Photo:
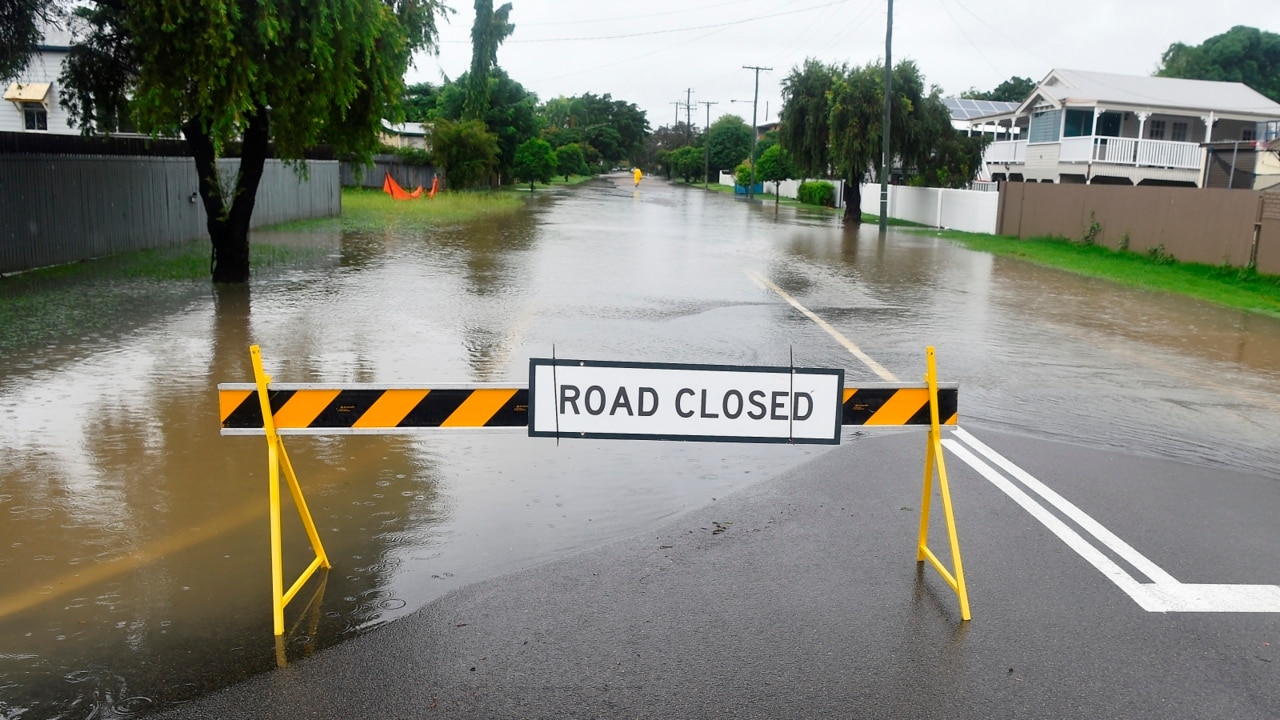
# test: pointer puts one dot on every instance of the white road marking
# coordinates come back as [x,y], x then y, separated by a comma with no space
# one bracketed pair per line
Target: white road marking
[848,344]
[1163,594]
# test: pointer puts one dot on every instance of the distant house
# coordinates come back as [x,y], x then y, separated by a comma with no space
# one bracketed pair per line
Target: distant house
[406,135]
[31,100]
[1089,127]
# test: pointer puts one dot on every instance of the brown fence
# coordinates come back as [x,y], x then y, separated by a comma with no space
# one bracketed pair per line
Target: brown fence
[1204,225]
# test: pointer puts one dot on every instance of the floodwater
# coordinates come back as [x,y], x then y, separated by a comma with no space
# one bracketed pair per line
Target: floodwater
[133,537]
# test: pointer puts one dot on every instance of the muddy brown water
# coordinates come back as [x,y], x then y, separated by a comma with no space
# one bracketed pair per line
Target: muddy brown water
[133,537]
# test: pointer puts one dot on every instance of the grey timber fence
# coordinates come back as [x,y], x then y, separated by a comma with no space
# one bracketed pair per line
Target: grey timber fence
[57,209]
[409,176]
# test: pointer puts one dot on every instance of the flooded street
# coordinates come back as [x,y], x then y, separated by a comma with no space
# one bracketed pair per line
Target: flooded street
[133,537]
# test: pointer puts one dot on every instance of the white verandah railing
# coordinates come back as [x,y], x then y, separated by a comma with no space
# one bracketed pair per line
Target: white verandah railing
[1112,150]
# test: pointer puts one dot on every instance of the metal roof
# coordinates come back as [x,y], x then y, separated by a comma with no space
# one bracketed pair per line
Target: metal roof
[964,108]
[1080,87]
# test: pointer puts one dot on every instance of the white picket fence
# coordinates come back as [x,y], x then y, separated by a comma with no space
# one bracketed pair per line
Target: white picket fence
[967,210]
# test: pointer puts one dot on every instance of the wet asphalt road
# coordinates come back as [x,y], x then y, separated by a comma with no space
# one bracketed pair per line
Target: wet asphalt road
[1117,560]
[808,604]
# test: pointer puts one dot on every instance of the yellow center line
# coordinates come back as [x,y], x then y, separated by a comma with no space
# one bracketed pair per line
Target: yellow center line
[848,344]
[164,547]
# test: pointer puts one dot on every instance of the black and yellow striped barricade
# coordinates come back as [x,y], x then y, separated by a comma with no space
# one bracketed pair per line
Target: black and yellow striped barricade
[597,399]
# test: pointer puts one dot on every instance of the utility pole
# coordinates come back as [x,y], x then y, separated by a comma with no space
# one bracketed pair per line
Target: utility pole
[676,123]
[706,147]
[754,98]
[886,164]
[688,120]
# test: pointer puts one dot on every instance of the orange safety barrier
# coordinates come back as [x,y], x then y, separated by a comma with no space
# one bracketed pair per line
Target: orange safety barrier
[392,188]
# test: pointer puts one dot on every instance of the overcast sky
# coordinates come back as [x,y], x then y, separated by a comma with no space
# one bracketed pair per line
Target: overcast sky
[650,52]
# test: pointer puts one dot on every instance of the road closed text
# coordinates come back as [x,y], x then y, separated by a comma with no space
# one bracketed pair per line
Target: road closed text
[666,401]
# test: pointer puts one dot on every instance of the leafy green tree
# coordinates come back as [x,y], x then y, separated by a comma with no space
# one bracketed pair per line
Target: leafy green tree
[488,31]
[853,99]
[806,116]
[1242,54]
[742,174]
[775,165]
[729,143]
[276,77]
[1015,89]
[512,115]
[686,163]
[535,161]
[466,150]
[20,31]
[570,160]
[617,129]
[419,102]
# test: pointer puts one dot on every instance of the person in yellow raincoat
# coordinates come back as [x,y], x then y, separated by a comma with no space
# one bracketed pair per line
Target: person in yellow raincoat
[637,175]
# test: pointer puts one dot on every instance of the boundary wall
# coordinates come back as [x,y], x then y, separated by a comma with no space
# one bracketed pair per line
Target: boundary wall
[1203,225]
[967,210]
[66,208]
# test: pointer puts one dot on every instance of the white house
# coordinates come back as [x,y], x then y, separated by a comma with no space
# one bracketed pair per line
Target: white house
[406,135]
[31,100]
[1090,127]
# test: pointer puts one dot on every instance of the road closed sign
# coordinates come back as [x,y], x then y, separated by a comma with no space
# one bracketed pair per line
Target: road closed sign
[665,401]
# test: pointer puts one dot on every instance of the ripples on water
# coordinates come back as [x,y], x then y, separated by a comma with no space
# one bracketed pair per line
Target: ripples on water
[133,536]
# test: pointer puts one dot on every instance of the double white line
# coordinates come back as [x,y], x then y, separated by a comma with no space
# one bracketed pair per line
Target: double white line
[1160,592]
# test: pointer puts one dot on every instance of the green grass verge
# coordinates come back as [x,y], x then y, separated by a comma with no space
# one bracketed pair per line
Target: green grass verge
[1228,286]
[370,209]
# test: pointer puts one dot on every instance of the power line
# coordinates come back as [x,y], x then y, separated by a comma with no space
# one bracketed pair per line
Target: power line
[754,132]
[706,146]
[731,23]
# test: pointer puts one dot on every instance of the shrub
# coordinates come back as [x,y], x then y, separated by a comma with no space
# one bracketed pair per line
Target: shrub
[742,174]
[817,192]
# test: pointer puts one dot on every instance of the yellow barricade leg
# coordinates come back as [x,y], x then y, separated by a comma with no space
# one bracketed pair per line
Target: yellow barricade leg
[277,457]
[933,457]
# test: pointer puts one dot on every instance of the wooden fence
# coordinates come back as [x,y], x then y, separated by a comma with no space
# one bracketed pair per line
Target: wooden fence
[1203,225]
[65,208]
[409,176]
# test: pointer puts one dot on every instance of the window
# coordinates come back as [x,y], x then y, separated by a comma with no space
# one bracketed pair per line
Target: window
[1179,132]
[34,116]
[1157,130]
[1079,123]
[1045,127]
[1247,134]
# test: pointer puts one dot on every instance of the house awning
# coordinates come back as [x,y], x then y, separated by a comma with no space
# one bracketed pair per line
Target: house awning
[27,92]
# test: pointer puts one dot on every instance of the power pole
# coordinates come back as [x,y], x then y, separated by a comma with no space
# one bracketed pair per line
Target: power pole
[706,147]
[754,98]
[886,165]
[676,123]
[688,110]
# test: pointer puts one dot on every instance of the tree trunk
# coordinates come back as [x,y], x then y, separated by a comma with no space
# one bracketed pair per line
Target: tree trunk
[229,227]
[852,201]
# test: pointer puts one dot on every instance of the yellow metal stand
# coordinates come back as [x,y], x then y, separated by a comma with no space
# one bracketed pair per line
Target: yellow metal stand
[932,457]
[277,458]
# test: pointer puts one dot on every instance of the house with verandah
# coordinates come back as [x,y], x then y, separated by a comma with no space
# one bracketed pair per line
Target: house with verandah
[1091,127]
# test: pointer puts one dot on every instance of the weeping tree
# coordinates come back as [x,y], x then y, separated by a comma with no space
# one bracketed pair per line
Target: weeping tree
[832,123]
[276,78]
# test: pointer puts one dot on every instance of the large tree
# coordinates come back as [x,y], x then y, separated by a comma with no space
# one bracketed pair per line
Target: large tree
[276,77]
[511,115]
[832,121]
[1242,54]
[488,31]
[728,143]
